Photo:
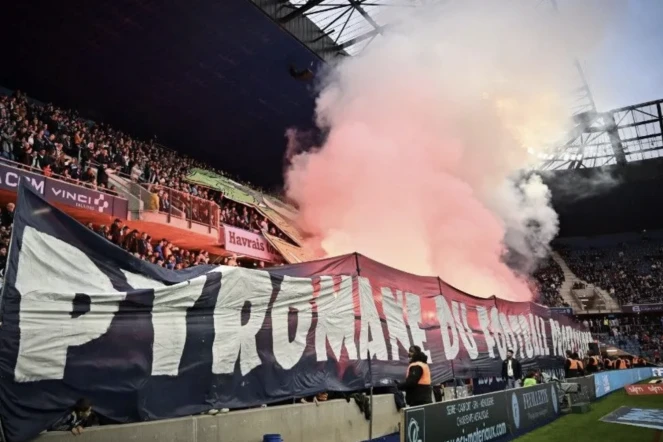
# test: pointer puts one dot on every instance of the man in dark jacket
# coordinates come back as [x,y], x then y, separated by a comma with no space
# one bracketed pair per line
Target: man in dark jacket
[511,371]
[417,385]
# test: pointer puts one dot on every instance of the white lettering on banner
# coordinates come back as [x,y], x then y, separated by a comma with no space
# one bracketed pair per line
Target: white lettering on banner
[541,323]
[568,338]
[536,348]
[500,335]
[451,342]
[12,179]
[295,294]
[484,323]
[529,347]
[370,324]
[336,319]
[73,196]
[511,341]
[518,335]
[414,318]
[466,334]
[538,344]
[240,313]
[40,356]
[232,340]
[392,304]
[169,310]
[555,336]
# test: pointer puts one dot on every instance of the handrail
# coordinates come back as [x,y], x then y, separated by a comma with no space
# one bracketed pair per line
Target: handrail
[163,186]
[58,177]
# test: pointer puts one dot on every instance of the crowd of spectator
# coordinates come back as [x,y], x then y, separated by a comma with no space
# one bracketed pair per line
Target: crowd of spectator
[61,144]
[6,224]
[47,137]
[639,334]
[629,269]
[548,279]
[162,252]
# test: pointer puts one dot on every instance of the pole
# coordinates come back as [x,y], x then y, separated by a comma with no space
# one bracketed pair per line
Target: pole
[453,373]
[370,401]
[9,257]
[357,264]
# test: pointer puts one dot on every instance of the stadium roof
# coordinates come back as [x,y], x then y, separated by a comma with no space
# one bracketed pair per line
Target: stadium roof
[351,24]
[333,28]
[619,136]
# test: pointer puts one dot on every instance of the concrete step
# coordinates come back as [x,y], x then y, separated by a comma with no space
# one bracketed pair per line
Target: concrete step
[569,279]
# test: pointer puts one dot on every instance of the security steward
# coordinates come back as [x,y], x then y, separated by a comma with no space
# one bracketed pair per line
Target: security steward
[607,363]
[581,365]
[621,364]
[417,384]
[570,366]
[593,364]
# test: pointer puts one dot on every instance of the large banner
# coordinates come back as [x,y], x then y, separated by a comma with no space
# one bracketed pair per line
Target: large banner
[84,318]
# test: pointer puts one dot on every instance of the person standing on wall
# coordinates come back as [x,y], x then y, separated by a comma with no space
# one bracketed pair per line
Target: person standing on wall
[512,372]
[417,384]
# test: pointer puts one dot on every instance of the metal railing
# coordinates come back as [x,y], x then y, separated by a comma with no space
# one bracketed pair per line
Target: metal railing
[182,205]
[173,203]
[55,176]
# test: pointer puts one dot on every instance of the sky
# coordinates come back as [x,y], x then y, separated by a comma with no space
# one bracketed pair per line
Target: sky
[627,68]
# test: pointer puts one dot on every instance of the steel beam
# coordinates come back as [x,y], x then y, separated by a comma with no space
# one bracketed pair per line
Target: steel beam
[355,4]
[362,37]
[300,11]
[660,118]
[613,133]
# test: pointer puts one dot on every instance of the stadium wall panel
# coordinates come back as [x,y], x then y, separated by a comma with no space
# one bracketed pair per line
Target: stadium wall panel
[333,421]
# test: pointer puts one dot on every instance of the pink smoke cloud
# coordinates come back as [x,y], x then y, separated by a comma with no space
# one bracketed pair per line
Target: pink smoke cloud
[426,131]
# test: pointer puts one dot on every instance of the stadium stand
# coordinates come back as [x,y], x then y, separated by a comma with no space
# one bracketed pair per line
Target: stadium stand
[61,145]
[548,279]
[640,335]
[627,266]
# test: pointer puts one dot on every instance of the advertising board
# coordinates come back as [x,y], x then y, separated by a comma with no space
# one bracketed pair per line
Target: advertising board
[482,417]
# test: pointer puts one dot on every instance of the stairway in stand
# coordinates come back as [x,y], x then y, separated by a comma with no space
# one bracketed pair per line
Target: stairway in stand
[569,279]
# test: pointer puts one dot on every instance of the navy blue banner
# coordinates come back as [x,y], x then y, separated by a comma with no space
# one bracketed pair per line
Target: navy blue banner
[84,318]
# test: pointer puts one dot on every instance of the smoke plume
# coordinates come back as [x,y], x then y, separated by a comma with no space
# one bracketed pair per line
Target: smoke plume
[427,135]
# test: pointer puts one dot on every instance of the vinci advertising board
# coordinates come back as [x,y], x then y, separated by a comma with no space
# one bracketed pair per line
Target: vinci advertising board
[56,191]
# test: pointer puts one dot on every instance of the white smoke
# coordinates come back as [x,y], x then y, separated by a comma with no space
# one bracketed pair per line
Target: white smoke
[428,135]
